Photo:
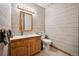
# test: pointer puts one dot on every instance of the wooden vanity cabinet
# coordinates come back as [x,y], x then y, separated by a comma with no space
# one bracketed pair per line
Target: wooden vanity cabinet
[25,46]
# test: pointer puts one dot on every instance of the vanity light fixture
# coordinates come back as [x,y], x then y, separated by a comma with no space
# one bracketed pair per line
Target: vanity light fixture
[25,10]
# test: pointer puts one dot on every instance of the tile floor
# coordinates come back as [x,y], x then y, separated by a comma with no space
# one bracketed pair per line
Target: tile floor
[51,52]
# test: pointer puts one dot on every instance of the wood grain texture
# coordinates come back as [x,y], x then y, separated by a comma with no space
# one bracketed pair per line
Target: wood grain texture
[25,47]
[21,21]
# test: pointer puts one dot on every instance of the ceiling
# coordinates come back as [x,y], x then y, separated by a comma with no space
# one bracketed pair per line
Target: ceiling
[44,5]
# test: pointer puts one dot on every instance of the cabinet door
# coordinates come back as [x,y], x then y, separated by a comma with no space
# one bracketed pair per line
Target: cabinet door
[26,45]
[32,46]
[20,51]
[13,51]
[35,45]
[13,48]
[19,48]
[38,45]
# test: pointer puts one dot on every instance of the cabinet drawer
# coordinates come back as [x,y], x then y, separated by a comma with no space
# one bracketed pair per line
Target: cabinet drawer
[20,43]
[17,44]
[13,44]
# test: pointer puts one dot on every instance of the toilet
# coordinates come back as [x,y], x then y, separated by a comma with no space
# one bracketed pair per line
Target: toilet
[46,41]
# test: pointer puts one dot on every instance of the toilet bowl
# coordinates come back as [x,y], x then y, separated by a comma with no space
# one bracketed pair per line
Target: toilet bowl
[46,43]
[45,40]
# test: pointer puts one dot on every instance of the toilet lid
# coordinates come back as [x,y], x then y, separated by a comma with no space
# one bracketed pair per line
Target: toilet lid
[46,40]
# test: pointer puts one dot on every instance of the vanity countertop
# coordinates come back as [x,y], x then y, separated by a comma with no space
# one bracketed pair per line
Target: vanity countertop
[24,36]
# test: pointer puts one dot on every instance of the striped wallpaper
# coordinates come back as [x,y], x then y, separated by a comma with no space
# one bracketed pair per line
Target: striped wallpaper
[61,25]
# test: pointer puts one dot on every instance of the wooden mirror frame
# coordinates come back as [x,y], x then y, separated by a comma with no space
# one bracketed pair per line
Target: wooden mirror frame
[21,21]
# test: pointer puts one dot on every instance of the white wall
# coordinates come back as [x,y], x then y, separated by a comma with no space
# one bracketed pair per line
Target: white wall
[61,22]
[5,15]
[38,18]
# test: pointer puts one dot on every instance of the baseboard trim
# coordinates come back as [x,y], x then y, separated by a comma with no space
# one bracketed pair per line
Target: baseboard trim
[61,50]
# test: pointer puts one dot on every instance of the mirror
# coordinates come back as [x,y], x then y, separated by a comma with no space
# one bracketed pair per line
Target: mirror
[26,21]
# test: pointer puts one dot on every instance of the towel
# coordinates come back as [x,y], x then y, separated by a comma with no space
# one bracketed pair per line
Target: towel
[5,36]
[2,36]
[1,48]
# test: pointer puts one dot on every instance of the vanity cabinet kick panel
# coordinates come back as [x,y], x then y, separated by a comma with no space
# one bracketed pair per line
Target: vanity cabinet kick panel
[25,47]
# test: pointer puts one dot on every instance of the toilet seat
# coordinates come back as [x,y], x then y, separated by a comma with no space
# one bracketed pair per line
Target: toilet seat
[47,40]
